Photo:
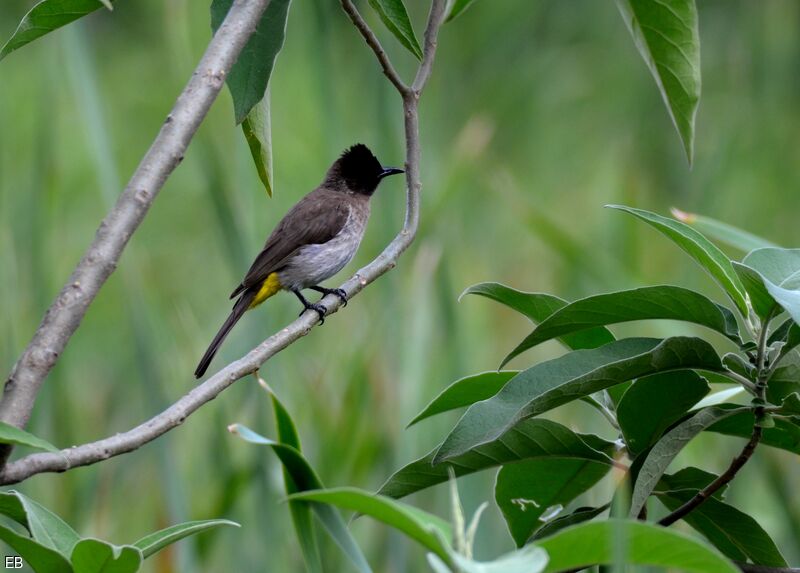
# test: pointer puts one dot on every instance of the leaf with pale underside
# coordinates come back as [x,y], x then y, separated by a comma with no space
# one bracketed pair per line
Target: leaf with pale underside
[667,37]
[394,16]
[722,232]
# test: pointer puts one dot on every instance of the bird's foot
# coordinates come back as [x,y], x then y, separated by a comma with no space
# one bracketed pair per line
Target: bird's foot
[320,309]
[334,291]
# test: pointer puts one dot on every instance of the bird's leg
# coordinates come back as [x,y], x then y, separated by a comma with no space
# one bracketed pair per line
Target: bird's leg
[320,309]
[335,291]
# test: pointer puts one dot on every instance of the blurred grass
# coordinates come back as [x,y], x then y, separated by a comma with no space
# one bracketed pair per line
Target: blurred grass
[536,116]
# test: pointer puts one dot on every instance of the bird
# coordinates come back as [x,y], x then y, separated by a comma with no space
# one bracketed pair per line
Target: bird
[313,241]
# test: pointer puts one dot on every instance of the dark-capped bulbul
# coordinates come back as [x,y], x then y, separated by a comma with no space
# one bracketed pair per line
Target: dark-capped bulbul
[313,242]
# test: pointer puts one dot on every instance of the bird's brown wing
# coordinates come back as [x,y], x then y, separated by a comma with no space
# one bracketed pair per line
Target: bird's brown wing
[316,218]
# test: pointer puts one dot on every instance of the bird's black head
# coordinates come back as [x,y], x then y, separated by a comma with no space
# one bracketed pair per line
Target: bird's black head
[358,171]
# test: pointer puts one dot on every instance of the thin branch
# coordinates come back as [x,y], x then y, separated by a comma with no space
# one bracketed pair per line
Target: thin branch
[374,43]
[99,261]
[435,20]
[177,413]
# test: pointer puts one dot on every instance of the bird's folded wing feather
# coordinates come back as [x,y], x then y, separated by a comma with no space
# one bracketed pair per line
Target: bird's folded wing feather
[315,219]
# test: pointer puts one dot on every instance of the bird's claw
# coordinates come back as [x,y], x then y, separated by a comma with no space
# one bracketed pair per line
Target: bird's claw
[341,294]
[320,309]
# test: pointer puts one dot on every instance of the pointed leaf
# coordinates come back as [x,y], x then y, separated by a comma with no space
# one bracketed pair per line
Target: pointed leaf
[623,542]
[778,272]
[662,454]
[647,303]
[456,8]
[305,478]
[394,15]
[249,77]
[96,556]
[46,16]
[580,515]
[703,251]
[45,526]
[156,541]
[577,374]
[466,391]
[12,435]
[722,232]
[525,491]
[538,307]
[653,403]
[257,129]
[785,435]
[426,529]
[667,37]
[42,559]
[528,440]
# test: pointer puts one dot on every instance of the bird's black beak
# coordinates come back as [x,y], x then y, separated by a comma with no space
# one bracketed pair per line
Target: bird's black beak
[389,171]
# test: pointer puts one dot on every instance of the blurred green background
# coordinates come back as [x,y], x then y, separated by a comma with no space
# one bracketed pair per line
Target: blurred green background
[537,114]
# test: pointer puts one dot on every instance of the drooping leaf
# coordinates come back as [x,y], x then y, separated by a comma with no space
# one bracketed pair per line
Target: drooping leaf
[579,373]
[158,540]
[784,435]
[778,271]
[538,307]
[733,532]
[457,7]
[628,542]
[249,77]
[466,391]
[666,35]
[44,526]
[96,556]
[525,491]
[722,232]
[46,16]
[580,515]
[12,435]
[305,478]
[394,16]
[41,558]
[257,128]
[647,303]
[653,403]
[703,251]
[662,454]
[529,440]
[428,530]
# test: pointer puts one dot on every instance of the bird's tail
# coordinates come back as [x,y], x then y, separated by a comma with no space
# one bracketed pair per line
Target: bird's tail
[238,311]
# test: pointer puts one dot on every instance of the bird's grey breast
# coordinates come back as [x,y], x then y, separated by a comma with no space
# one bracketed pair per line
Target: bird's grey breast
[313,264]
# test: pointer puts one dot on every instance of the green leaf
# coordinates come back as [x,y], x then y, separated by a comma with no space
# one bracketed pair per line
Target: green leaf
[667,37]
[788,333]
[305,478]
[457,7]
[647,303]
[760,299]
[12,435]
[46,16]
[44,526]
[784,435]
[703,251]
[538,307]
[662,454]
[580,515]
[529,559]
[426,529]
[42,559]
[623,542]
[778,272]
[158,540]
[653,403]
[733,532]
[249,77]
[717,398]
[526,491]
[529,440]
[394,15]
[723,232]
[466,391]
[96,556]
[579,373]
[785,380]
[257,128]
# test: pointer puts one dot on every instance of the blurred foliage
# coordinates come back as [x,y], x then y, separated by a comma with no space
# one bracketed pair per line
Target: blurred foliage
[537,114]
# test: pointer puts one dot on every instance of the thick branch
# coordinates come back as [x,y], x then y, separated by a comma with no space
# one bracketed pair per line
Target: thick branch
[173,416]
[99,261]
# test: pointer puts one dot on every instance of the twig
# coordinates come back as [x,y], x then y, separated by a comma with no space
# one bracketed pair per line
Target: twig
[99,261]
[175,415]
